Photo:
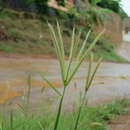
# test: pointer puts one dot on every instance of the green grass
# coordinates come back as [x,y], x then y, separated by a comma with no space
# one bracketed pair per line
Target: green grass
[92,118]
[5,48]
[30,35]
[106,50]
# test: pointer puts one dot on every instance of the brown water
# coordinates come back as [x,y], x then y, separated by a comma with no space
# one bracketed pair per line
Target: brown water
[111,81]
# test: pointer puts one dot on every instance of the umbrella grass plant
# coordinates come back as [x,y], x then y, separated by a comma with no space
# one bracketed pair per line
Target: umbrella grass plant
[69,67]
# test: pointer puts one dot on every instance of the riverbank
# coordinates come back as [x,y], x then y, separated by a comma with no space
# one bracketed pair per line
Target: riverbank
[28,34]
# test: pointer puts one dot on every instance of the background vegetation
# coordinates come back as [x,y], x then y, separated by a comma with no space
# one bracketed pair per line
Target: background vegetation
[28,33]
[96,118]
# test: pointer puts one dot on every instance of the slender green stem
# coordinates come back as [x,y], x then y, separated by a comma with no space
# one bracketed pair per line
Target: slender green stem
[28,92]
[79,111]
[59,110]
[88,83]
[11,120]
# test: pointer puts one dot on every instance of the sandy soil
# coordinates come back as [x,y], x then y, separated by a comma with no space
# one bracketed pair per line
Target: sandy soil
[120,123]
[124,50]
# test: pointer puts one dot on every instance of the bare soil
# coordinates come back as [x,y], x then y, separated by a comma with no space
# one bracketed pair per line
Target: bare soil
[20,56]
[124,50]
[120,123]
[3,36]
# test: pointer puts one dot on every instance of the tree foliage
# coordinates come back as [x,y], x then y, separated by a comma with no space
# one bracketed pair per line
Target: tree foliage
[94,2]
[42,6]
[114,5]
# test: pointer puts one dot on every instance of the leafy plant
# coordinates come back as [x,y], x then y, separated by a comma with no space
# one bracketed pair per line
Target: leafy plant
[113,5]
[90,16]
[94,2]
[5,48]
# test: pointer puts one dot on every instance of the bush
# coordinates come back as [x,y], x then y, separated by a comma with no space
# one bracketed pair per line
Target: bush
[6,48]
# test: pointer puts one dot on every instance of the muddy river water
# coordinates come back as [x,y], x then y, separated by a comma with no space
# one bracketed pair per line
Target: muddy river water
[112,81]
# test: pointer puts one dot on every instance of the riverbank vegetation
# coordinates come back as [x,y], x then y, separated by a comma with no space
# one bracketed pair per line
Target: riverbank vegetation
[96,118]
[27,33]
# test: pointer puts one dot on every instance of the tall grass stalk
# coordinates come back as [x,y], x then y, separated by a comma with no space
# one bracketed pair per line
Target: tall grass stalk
[70,67]
[24,108]
[11,120]
[89,79]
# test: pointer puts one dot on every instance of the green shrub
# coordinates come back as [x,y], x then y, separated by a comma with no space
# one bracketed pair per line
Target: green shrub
[113,5]
[6,48]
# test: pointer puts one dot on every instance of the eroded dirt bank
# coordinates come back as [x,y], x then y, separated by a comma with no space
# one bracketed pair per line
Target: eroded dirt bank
[124,50]
[120,123]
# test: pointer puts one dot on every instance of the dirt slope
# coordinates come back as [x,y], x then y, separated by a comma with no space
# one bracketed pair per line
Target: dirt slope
[124,50]
[121,123]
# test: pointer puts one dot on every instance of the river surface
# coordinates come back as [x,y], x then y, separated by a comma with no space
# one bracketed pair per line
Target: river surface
[112,81]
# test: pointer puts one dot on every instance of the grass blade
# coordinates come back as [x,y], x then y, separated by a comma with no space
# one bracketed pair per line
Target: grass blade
[89,71]
[61,41]
[41,126]
[71,55]
[50,84]
[11,120]
[28,92]
[93,75]
[58,51]
[77,43]
[83,45]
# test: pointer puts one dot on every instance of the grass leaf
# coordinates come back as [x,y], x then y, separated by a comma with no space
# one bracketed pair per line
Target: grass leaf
[50,84]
